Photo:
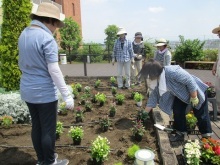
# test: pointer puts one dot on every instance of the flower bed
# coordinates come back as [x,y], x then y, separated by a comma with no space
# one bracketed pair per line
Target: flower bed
[119,133]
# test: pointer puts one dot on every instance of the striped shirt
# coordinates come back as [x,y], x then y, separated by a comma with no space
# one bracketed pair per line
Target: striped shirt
[125,53]
[163,58]
[179,84]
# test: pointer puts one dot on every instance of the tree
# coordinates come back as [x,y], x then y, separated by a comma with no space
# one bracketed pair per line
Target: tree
[16,16]
[189,50]
[111,32]
[70,35]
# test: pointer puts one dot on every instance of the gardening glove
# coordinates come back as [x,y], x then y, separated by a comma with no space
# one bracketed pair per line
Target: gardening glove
[69,102]
[139,56]
[194,101]
[113,61]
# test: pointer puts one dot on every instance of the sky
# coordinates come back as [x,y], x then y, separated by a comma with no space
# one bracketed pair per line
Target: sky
[193,19]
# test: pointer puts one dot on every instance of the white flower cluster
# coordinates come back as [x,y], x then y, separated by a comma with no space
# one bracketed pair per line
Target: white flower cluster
[12,105]
[192,152]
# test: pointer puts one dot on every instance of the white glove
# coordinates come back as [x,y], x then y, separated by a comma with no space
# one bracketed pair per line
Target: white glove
[132,60]
[113,61]
[69,102]
[139,57]
[136,55]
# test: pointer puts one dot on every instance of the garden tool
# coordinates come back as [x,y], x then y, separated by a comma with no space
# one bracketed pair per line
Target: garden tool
[168,130]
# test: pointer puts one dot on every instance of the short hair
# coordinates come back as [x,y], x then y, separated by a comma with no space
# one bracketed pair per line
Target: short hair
[151,69]
[44,19]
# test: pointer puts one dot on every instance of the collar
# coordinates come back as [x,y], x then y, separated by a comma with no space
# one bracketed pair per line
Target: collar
[41,25]
[161,52]
[135,43]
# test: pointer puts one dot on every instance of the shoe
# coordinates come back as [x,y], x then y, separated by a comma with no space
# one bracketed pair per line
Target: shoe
[60,162]
[177,137]
[42,163]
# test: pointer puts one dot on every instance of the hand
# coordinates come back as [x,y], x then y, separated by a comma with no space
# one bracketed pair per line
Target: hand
[139,56]
[113,61]
[69,102]
[194,101]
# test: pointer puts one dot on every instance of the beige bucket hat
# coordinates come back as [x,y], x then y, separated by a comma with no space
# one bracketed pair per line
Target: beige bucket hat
[161,42]
[121,30]
[216,30]
[46,9]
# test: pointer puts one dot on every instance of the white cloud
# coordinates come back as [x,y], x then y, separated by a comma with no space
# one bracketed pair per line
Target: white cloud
[156,9]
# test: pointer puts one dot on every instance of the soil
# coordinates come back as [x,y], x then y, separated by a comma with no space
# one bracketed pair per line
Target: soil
[16,146]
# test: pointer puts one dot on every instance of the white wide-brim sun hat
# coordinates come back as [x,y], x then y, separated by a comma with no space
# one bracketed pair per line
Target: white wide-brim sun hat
[46,9]
[161,42]
[216,30]
[121,30]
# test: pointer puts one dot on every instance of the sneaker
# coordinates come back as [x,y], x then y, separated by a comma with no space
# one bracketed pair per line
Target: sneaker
[41,163]
[60,162]
[177,137]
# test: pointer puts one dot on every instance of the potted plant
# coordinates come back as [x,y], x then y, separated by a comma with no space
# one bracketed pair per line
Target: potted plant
[138,130]
[191,152]
[120,98]
[113,81]
[138,97]
[93,97]
[76,133]
[131,151]
[88,106]
[83,98]
[191,121]
[210,151]
[59,129]
[62,109]
[97,83]
[114,90]
[100,150]
[101,98]
[112,109]
[132,94]
[75,93]
[78,86]
[87,89]
[6,121]
[104,123]
[211,91]
[79,114]
[142,116]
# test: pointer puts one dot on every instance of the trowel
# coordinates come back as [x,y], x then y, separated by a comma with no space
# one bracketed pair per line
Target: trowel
[168,130]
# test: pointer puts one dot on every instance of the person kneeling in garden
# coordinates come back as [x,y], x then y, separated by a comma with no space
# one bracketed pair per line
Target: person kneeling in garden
[173,88]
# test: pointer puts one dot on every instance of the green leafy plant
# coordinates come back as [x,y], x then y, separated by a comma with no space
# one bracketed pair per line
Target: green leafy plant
[210,151]
[100,149]
[138,128]
[87,89]
[120,98]
[113,80]
[79,112]
[119,163]
[191,120]
[112,107]
[84,97]
[75,92]
[88,106]
[104,122]
[62,109]
[97,83]
[142,116]
[138,97]
[131,151]
[78,86]
[100,97]
[6,121]
[59,128]
[76,132]
[192,152]
[114,90]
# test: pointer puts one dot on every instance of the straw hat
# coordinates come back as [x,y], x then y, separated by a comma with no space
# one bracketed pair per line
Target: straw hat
[161,42]
[48,10]
[121,30]
[216,30]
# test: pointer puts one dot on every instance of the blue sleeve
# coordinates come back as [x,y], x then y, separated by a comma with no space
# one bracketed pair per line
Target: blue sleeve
[50,50]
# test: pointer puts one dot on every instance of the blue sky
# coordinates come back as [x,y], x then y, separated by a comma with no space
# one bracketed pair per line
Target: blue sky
[154,18]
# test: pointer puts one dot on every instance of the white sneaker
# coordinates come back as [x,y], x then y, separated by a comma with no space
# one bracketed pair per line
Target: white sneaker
[61,162]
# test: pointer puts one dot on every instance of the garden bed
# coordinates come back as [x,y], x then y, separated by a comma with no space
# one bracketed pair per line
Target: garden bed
[16,146]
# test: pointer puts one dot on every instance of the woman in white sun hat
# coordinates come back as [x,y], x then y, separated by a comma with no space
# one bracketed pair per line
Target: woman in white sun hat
[216,71]
[123,52]
[41,76]
[162,55]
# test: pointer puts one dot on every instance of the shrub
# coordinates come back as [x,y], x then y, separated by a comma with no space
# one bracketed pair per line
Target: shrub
[12,105]
[131,151]
[76,133]
[210,54]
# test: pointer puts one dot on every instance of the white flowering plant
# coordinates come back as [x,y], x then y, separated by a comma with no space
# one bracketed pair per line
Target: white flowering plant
[192,152]
[100,149]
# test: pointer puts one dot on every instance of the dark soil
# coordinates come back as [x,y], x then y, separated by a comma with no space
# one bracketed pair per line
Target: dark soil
[16,146]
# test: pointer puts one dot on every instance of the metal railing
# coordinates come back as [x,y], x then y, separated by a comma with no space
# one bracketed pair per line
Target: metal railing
[49,1]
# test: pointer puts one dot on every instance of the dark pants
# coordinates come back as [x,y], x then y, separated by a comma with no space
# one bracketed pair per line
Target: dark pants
[43,133]
[202,115]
